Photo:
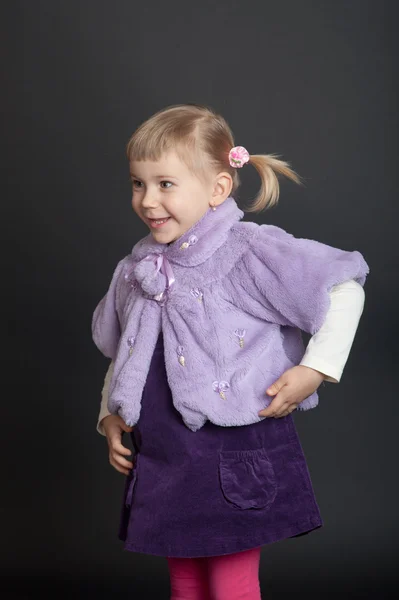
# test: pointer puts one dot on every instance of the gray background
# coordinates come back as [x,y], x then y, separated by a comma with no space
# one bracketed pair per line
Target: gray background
[313,81]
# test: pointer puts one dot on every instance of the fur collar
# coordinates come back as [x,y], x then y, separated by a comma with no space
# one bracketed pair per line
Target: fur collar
[153,262]
[198,243]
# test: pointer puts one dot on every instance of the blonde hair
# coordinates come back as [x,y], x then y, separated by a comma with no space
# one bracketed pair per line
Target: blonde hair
[202,139]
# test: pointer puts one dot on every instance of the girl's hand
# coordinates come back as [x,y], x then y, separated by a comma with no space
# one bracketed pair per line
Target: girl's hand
[290,389]
[114,426]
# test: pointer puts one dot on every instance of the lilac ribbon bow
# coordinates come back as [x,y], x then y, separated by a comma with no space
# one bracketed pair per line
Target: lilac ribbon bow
[163,265]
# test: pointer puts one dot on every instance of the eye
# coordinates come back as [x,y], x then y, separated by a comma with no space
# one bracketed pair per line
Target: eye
[136,183]
[166,188]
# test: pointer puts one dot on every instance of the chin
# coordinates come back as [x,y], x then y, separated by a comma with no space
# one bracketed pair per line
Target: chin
[163,238]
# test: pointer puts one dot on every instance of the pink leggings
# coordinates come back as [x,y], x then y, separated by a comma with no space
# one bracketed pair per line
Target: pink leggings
[227,577]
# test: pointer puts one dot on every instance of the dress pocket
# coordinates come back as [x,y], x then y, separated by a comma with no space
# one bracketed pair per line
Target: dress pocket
[247,478]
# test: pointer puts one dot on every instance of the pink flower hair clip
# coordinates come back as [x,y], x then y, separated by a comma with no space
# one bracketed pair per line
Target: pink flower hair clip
[238,156]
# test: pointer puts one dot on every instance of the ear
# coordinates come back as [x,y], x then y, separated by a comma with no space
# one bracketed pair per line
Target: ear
[222,187]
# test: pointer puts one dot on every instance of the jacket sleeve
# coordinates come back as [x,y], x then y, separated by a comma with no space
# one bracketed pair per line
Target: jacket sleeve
[105,322]
[293,276]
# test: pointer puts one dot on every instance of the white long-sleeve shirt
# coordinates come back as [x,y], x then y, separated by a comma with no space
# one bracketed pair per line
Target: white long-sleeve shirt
[327,350]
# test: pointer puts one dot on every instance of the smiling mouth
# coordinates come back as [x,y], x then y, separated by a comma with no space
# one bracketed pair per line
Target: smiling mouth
[158,222]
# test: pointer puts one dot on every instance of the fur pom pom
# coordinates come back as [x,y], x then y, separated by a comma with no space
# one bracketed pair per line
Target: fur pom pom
[151,281]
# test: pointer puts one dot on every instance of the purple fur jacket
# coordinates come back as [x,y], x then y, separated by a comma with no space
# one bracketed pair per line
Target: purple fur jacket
[231,298]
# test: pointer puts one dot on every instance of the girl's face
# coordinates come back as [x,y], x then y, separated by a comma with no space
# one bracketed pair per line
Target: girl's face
[166,189]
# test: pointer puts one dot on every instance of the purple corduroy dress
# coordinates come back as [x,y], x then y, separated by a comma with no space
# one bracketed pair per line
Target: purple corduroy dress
[215,491]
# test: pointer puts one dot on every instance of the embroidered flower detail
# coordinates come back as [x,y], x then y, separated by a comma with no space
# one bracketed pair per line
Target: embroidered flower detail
[240,333]
[180,350]
[191,241]
[196,292]
[130,343]
[132,282]
[220,387]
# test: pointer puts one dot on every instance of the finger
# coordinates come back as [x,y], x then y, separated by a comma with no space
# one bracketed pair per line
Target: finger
[284,414]
[126,428]
[117,446]
[273,407]
[118,468]
[276,387]
[120,461]
[287,410]
[280,409]
[269,411]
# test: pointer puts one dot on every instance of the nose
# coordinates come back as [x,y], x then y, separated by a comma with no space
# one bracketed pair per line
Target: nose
[149,200]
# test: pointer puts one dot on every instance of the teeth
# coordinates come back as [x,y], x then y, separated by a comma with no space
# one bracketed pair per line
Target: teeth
[161,221]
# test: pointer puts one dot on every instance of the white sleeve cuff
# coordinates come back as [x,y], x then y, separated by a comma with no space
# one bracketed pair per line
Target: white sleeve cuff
[104,412]
[328,349]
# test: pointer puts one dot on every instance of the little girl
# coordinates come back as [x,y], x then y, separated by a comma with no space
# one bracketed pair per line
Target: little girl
[203,324]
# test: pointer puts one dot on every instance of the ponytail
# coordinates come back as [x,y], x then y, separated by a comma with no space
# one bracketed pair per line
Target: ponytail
[268,167]
[203,140]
